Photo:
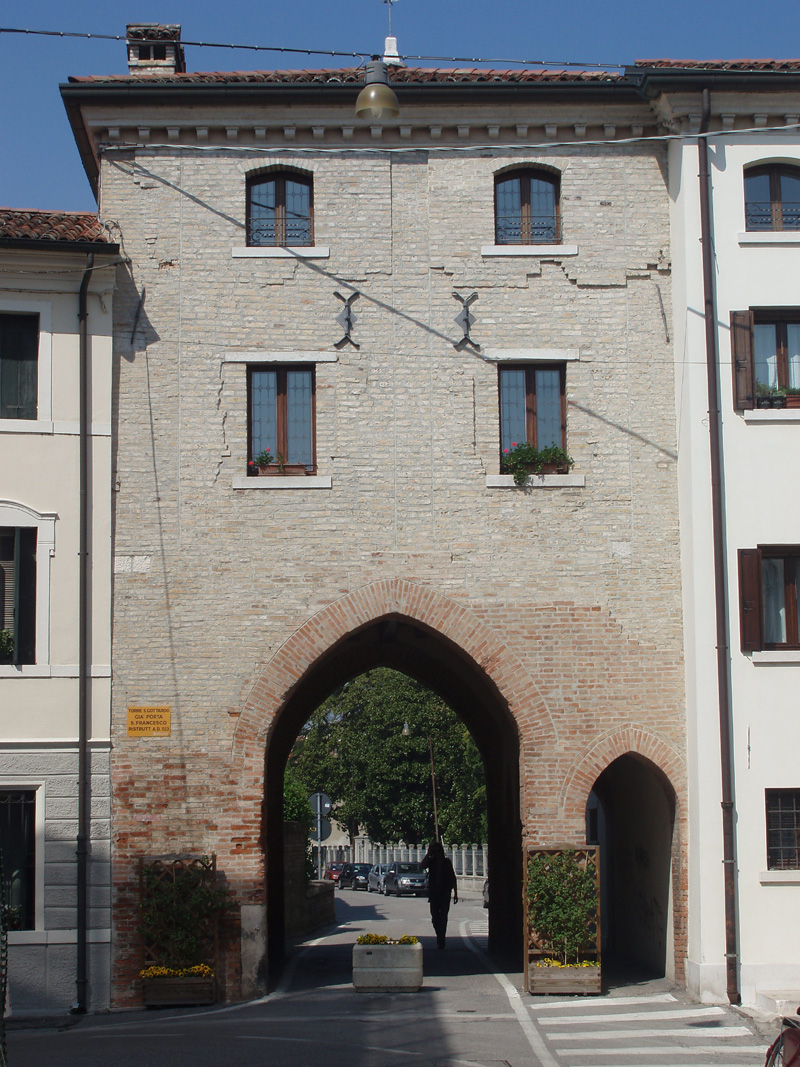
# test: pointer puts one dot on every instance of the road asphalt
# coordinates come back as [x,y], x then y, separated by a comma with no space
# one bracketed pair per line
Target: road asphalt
[467,1014]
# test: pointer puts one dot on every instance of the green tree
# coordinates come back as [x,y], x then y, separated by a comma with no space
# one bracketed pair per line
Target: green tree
[355,748]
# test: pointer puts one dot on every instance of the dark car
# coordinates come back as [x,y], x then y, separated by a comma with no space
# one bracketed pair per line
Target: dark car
[406,878]
[355,875]
[334,871]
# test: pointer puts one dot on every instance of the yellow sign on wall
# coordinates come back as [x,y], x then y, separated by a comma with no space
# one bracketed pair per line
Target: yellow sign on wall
[149,722]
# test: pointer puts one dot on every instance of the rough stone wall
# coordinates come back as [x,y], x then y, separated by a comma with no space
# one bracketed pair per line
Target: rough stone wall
[577,586]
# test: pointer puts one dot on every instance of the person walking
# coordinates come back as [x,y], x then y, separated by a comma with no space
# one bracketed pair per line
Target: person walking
[441,882]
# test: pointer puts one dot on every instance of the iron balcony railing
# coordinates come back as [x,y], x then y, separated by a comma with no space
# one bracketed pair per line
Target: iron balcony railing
[762,215]
[539,229]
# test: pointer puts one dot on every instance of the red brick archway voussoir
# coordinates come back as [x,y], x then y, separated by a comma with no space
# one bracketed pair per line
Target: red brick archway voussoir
[355,610]
[601,753]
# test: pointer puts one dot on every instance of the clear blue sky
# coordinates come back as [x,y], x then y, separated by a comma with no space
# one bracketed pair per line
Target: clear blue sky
[39,165]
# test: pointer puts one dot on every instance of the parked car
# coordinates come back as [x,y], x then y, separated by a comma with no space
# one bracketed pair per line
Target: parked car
[354,875]
[402,878]
[376,878]
[333,871]
[486,893]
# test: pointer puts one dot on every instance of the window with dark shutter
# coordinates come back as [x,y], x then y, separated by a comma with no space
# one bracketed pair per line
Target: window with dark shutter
[742,352]
[18,594]
[750,599]
[769,605]
[19,352]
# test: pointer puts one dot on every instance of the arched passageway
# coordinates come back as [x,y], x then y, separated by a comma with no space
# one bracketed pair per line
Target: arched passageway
[417,650]
[631,816]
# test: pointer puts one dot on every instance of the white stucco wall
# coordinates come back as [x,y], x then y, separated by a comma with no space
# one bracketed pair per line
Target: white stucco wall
[761,452]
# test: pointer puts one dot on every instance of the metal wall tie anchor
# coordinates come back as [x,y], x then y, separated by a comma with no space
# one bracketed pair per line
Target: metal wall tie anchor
[465,319]
[347,319]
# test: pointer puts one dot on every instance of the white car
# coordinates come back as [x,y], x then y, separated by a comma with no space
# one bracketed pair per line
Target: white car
[376,877]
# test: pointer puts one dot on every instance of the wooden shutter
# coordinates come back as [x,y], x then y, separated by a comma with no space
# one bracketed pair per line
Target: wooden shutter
[19,348]
[750,599]
[25,595]
[744,376]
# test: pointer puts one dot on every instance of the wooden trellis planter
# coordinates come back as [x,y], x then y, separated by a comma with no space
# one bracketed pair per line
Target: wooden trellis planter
[178,874]
[541,979]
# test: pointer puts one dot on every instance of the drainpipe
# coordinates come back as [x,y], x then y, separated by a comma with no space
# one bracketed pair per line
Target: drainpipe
[720,585]
[82,850]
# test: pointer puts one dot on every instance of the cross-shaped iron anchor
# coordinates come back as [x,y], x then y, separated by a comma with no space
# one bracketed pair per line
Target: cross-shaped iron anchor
[465,319]
[347,319]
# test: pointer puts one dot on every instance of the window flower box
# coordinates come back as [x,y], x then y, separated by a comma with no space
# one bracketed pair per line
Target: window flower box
[392,967]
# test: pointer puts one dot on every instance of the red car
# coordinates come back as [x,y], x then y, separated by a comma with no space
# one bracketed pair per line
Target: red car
[334,871]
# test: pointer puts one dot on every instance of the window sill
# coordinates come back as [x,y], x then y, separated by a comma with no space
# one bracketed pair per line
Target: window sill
[96,936]
[280,252]
[771,415]
[536,481]
[779,877]
[770,237]
[555,251]
[49,670]
[309,481]
[776,655]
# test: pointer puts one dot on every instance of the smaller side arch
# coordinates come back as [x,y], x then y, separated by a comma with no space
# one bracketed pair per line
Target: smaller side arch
[601,753]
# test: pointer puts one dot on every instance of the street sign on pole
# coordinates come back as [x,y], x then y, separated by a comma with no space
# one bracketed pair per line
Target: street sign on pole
[321,806]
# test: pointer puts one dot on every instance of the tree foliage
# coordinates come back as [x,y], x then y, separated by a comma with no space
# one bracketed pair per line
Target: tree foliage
[378,776]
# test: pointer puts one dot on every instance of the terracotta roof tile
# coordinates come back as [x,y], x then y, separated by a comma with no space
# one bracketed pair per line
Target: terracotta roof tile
[81,227]
[722,64]
[354,76]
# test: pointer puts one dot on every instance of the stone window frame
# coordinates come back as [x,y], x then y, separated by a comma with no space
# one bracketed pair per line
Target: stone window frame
[541,248]
[43,423]
[281,249]
[255,358]
[534,356]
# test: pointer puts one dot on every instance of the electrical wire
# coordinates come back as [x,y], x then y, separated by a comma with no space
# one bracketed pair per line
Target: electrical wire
[361,56]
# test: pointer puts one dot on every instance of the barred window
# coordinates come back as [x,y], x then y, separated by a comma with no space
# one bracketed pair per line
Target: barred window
[18,843]
[783,829]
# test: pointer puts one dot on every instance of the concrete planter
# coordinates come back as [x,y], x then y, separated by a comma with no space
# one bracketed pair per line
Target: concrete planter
[387,968]
[563,980]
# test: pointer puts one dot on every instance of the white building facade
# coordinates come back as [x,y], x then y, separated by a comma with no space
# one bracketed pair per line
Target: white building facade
[754,202]
[55,315]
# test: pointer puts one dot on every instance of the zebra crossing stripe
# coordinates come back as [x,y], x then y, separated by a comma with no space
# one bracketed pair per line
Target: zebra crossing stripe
[636,1016]
[620,1035]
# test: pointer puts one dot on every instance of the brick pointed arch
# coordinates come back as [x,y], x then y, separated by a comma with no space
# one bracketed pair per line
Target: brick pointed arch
[632,739]
[393,597]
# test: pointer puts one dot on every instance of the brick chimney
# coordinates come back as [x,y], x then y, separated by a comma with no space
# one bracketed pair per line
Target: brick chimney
[154,49]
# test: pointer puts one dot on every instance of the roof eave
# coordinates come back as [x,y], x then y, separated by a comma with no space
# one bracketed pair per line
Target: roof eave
[45,245]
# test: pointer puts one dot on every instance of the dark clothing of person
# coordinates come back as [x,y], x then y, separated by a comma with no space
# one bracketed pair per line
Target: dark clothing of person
[441,882]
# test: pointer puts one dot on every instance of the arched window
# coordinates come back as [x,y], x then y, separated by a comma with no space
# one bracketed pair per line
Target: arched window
[280,209]
[526,208]
[772,197]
